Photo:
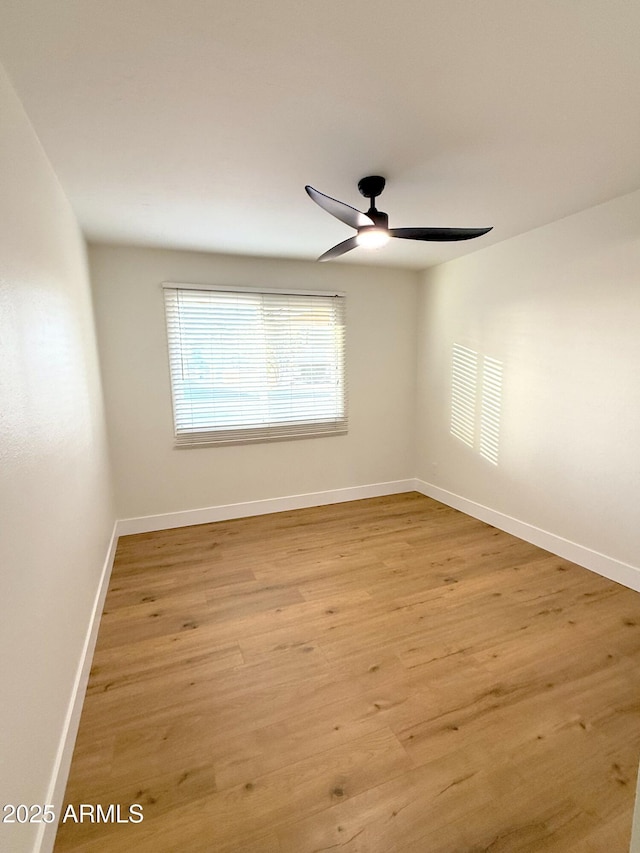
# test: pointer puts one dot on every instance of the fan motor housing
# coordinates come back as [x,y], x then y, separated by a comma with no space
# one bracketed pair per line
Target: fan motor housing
[380,219]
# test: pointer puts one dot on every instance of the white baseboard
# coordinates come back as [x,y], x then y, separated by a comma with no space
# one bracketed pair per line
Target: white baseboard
[635,826]
[165,521]
[46,836]
[609,567]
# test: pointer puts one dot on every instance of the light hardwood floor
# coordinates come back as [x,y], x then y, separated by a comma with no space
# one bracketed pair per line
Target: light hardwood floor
[384,675]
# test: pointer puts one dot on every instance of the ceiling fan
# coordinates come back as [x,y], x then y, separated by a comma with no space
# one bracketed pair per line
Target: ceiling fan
[373,226]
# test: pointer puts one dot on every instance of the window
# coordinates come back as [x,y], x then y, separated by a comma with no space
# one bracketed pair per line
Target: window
[249,365]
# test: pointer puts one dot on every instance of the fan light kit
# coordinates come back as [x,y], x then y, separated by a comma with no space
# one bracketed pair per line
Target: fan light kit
[372,238]
[373,226]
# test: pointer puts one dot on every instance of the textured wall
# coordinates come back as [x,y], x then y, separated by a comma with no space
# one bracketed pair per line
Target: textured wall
[153,477]
[559,309]
[55,500]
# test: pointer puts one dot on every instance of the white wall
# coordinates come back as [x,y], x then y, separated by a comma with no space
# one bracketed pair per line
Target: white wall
[152,477]
[560,308]
[55,502]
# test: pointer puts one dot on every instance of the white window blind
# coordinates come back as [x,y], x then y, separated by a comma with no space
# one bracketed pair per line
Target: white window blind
[255,365]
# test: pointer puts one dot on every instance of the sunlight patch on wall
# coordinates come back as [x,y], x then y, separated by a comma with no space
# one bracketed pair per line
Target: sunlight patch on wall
[464,382]
[490,403]
[476,401]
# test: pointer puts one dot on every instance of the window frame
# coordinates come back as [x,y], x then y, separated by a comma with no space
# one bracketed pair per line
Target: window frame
[286,430]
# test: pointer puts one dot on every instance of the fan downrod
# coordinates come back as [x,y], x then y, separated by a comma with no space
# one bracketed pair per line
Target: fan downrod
[371,186]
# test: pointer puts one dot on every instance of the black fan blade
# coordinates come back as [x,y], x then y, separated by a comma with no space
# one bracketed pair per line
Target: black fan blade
[340,249]
[438,235]
[343,212]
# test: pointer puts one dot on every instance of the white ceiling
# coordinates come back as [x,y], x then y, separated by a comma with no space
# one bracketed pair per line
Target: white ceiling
[197,123]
